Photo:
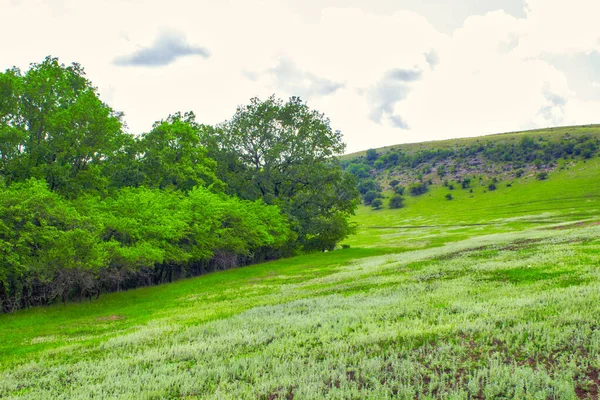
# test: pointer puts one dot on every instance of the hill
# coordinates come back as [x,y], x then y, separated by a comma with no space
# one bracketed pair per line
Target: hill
[493,294]
[490,161]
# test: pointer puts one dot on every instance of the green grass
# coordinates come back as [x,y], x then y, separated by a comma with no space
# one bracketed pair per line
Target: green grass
[490,295]
[429,219]
[499,137]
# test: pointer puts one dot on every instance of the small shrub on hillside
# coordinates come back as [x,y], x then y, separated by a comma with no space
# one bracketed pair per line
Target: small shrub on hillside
[371,155]
[466,183]
[441,171]
[417,188]
[370,196]
[451,187]
[366,185]
[492,187]
[399,190]
[394,183]
[345,246]
[519,173]
[449,196]
[376,204]
[396,201]
[541,176]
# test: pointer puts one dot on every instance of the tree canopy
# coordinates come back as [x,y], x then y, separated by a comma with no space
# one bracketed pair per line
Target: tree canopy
[284,153]
[53,126]
[86,207]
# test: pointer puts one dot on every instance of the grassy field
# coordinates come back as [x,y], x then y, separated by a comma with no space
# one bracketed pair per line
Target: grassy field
[508,137]
[490,295]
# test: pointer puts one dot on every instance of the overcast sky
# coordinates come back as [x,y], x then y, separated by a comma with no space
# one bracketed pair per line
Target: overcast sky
[383,71]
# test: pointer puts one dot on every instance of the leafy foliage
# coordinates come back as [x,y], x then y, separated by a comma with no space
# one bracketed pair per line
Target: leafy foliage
[396,201]
[284,153]
[88,208]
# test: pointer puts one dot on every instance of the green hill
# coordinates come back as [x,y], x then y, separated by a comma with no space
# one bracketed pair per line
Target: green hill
[493,294]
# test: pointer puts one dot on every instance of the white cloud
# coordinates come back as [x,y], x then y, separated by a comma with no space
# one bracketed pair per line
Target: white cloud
[484,77]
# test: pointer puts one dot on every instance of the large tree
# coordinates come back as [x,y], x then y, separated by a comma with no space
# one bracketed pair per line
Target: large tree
[53,126]
[285,153]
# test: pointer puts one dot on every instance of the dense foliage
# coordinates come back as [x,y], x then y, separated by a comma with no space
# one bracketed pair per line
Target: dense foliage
[284,154]
[87,208]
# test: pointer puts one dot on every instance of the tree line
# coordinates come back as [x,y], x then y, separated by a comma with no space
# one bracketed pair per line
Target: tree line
[87,208]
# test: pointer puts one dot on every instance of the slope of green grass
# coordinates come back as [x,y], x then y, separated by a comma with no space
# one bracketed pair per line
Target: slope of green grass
[489,295]
[429,219]
[499,137]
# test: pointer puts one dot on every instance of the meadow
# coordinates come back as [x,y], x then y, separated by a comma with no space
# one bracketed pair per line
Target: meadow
[489,295]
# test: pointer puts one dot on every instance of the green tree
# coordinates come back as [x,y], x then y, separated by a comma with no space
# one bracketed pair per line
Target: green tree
[396,201]
[372,155]
[376,204]
[417,188]
[370,196]
[173,158]
[285,153]
[55,127]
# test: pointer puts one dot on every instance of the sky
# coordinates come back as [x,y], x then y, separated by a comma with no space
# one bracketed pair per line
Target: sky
[384,71]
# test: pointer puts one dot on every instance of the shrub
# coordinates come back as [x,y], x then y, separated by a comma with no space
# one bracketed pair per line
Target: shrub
[394,183]
[541,176]
[449,196]
[399,190]
[417,188]
[396,201]
[492,187]
[376,204]
[371,155]
[466,183]
[370,196]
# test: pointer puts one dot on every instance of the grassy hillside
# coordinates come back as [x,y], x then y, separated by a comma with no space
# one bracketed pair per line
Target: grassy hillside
[487,159]
[509,137]
[494,294]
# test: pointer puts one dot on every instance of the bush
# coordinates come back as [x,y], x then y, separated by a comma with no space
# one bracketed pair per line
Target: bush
[466,183]
[371,155]
[399,190]
[376,204]
[492,187]
[540,176]
[449,196]
[396,201]
[370,196]
[394,183]
[417,188]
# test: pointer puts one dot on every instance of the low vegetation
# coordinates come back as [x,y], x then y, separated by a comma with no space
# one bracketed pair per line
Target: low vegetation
[462,280]
[494,298]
